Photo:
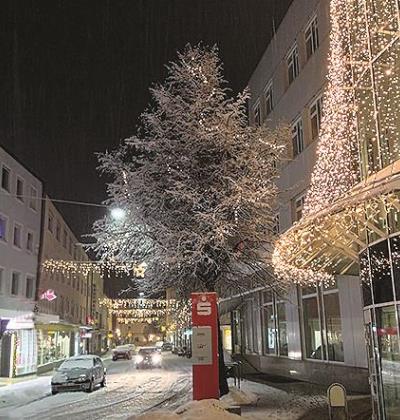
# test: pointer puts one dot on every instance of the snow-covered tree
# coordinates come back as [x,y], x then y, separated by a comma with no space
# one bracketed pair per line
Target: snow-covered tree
[197,184]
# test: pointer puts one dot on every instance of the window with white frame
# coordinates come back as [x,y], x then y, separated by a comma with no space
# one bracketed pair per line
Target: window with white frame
[269,101]
[29,241]
[30,287]
[20,189]
[298,207]
[33,197]
[257,114]
[15,282]
[322,323]
[311,37]
[3,228]
[17,235]
[315,117]
[292,64]
[297,137]
[6,178]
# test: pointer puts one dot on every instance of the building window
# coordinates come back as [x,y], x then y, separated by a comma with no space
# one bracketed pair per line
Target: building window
[30,287]
[33,198]
[50,222]
[311,37]
[315,117]
[257,114]
[274,325]
[322,324]
[15,279]
[293,64]
[29,241]
[5,178]
[1,280]
[65,238]
[276,226]
[3,228]
[297,137]
[17,236]
[20,189]
[298,208]
[269,104]
[58,230]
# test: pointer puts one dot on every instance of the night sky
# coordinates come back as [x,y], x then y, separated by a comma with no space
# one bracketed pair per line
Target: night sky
[75,76]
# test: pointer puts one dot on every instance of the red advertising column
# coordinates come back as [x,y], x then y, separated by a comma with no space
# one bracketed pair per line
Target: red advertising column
[205,346]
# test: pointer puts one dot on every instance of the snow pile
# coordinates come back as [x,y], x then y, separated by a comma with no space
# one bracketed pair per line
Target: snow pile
[239,397]
[195,410]
[24,392]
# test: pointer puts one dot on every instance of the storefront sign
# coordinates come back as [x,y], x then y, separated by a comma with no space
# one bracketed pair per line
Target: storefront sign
[205,346]
[48,295]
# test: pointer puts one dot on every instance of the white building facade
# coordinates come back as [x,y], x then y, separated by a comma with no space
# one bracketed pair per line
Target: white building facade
[315,333]
[20,229]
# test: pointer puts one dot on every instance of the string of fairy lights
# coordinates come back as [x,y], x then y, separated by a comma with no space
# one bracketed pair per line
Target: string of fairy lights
[130,311]
[98,267]
[359,135]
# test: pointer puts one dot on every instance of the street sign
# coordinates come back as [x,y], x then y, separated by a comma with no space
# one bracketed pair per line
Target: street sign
[48,295]
[205,346]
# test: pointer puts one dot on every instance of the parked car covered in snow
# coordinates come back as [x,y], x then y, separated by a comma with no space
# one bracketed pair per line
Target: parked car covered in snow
[122,352]
[79,373]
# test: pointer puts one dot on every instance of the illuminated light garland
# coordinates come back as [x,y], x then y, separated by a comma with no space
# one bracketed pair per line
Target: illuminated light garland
[359,135]
[98,267]
[141,303]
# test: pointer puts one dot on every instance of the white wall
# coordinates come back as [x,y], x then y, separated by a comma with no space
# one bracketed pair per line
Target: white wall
[11,257]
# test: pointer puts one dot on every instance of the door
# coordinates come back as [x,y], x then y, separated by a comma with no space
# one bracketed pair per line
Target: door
[373,365]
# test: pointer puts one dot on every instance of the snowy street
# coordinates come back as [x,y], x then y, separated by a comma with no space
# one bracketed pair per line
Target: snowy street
[129,392]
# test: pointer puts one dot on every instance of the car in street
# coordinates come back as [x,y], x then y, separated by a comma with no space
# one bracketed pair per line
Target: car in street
[122,352]
[166,346]
[148,357]
[79,373]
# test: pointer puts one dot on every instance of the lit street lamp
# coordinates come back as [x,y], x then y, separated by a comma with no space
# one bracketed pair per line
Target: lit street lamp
[118,214]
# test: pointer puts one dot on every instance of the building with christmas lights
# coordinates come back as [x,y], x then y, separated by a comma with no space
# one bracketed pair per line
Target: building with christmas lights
[20,226]
[332,71]
[71,297]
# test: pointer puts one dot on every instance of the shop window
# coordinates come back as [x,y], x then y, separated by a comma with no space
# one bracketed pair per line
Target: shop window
[381,272]
[257,114]
[20,189]
[269,103]
[315,117]
[33,199]
[15,280]
[274,325]
[292,64]
[311,37]
[322,324]
[3,228]
[297,137]
[30,287]
[312,327]
[5,178]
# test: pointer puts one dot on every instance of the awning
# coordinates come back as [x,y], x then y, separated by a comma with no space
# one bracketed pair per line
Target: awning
[329,242]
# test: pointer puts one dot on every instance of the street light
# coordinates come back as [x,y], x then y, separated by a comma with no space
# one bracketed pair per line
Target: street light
[118,214]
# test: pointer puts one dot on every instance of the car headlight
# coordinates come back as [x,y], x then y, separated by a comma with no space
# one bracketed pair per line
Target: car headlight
[82,378]
[139,359]
[156,358]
